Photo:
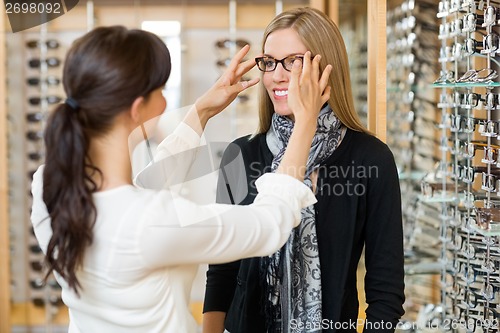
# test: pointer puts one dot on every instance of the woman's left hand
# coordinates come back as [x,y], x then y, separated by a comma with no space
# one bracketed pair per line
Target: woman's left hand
[227,87]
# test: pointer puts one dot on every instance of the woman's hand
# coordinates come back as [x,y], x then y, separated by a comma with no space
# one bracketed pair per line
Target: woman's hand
[307,91]
[227,87]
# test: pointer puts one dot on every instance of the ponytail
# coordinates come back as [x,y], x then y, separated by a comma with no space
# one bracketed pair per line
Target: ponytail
[103,56]
[67,192]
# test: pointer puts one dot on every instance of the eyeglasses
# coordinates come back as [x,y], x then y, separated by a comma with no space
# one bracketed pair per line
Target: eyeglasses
[467,173]
[471,46]
[35,117]
[429,189]
[227,43]
[490,43]
[51,62]
[269,64]
[452,53]
[491,16]
[37,266]
[35,156]
[488,128]
[53,300]
[450,29]
[485,217]
[39,283]
[468,150]
[34,135]
[35,248]
[449,101]
[446,77]
[470,22]
[51,44]
[50,80]
[489,182]
[462,124]
[488,101]
[478,75]
[479,3]
[49,99]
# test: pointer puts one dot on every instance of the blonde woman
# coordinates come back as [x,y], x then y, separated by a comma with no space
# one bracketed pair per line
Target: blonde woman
[309,285]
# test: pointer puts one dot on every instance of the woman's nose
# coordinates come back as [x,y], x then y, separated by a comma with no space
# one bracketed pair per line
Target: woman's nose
[280,73]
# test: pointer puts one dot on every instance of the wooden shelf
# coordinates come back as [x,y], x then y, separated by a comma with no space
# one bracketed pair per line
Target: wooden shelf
[27,314]
[4,191]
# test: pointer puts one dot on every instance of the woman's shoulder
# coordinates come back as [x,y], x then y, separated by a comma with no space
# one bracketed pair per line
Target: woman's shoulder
[368,147]
[248,145]
[250,141]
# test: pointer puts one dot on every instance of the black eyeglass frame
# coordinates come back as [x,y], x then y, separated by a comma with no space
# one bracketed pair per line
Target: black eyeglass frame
[276,62]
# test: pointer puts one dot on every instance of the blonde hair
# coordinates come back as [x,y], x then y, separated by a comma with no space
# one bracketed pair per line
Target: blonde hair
[320,35]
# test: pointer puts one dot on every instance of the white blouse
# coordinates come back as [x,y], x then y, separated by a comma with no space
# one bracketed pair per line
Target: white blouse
[137,274]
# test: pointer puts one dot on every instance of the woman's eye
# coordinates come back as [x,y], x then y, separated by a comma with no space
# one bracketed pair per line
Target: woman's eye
[269,63]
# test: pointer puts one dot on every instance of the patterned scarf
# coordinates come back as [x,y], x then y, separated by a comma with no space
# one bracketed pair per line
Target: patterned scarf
[292,276]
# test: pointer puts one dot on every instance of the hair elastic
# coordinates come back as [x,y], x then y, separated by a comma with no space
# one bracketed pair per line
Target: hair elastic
[72,103]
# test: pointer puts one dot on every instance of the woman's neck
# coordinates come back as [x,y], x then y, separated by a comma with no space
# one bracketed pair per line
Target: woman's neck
[110,154]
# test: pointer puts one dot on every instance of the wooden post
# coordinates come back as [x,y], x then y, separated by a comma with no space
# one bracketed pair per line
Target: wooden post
[4,190]
[318,4]
[333,10]
[377,59]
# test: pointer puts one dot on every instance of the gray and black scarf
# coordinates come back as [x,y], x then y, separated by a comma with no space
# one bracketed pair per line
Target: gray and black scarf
[292,276]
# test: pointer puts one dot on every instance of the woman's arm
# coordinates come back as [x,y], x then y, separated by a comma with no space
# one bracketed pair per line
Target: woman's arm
[384,257]
[176,152]
[233,185]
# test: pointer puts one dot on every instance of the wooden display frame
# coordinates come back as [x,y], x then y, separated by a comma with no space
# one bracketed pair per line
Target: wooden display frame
[377,68]
[4,191]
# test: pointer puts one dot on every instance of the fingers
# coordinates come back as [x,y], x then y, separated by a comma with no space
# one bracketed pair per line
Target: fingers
[326,95]
[315,67]
[311,68]
[243,68]
[306,66]
[323,81]
[240,86]
[237,67]
[297,70]
[248,84]
[238,58]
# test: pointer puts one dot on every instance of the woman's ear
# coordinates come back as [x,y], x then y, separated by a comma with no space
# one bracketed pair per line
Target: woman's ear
[135,110]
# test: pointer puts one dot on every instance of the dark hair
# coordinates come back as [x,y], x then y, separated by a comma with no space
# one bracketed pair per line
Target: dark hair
[104,72]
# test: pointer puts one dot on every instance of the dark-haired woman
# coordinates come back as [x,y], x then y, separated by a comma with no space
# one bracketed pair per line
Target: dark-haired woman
[125,256]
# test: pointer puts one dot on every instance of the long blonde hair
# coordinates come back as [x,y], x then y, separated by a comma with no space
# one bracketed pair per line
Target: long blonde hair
[320,35]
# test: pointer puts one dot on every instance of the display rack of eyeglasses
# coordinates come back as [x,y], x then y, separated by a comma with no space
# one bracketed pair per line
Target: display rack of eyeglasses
[225,49]
[359,77]
[412,62]
[37,56]
[465,182]
[356,47]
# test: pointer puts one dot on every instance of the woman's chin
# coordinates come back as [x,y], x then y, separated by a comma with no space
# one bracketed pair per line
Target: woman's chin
[284,113]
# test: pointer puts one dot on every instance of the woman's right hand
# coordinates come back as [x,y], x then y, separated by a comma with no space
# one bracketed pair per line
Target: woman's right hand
[227,87]
[307,91]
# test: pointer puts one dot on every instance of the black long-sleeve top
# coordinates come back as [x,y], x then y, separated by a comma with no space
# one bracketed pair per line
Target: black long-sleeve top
[359,205]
